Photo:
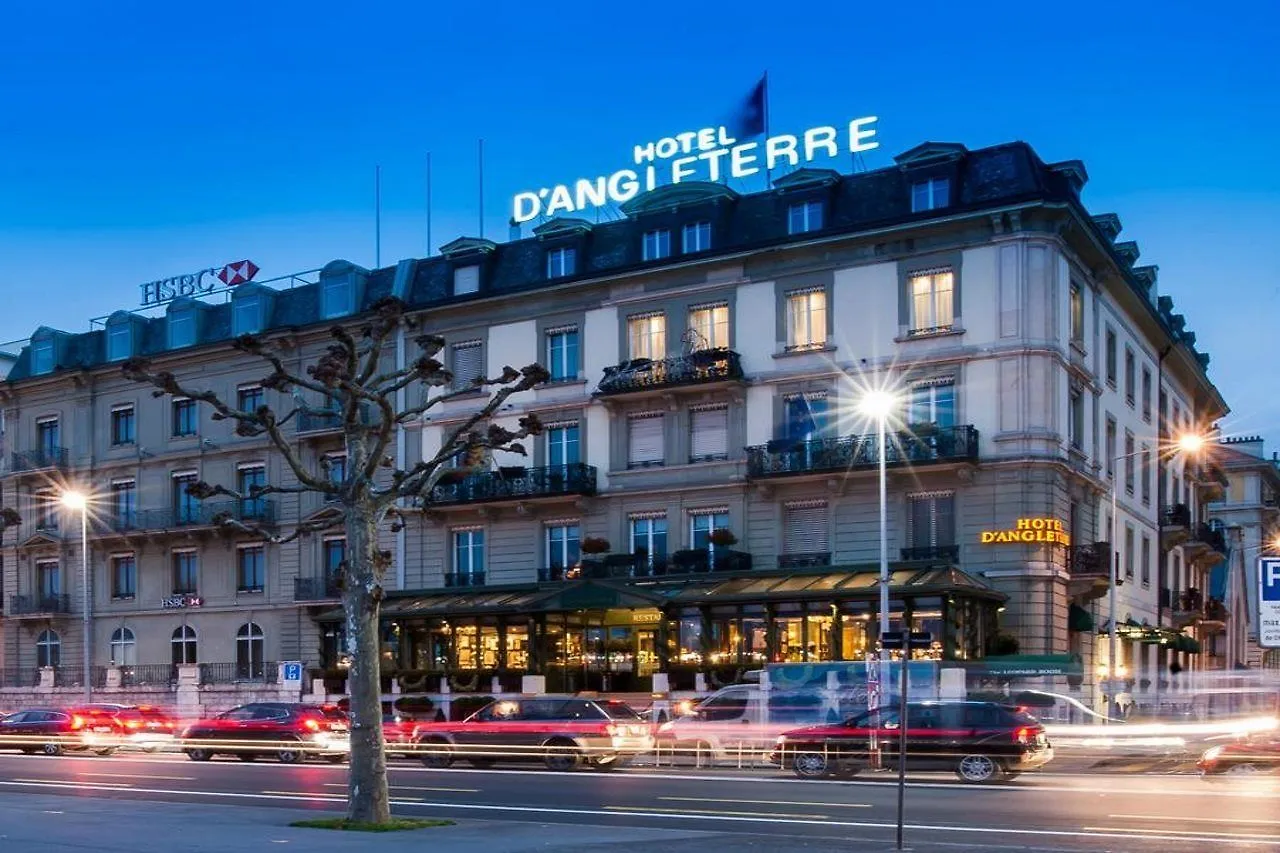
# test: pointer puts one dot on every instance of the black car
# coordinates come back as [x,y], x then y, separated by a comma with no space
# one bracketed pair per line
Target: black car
[291,732]
[53,731]
[979,741]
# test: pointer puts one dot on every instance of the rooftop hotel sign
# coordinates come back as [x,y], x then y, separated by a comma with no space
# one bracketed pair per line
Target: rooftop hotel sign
[707,154]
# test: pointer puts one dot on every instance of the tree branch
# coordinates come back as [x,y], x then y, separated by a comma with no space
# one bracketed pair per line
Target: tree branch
[302,529]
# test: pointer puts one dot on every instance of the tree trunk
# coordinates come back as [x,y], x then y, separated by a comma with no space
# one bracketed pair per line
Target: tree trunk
[367,797]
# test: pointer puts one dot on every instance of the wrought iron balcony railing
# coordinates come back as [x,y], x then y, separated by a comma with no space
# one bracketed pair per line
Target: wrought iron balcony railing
[316,589]
[324,421]
[38,460]
[1089,561]
[455,580]
[785,457]
[518,484]
[35,605]
[949,553]
[807,560]
[1206,535]
[1177,515]
[696,368]
[199,514]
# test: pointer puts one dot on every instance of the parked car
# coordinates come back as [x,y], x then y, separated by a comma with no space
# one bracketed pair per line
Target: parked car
[1258,753]
[145,727]
[291,732]
[54,731]
[979,741]
[564,733]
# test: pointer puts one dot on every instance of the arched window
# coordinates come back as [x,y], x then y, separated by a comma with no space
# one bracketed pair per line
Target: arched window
[250,648]
[183,645]
[124,649]
[48,649]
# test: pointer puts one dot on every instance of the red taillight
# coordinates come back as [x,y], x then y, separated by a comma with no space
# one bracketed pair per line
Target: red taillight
[1026,734]
[311,725]
[77,722]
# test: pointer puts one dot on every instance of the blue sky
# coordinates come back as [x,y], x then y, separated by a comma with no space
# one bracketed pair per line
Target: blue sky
[140,140]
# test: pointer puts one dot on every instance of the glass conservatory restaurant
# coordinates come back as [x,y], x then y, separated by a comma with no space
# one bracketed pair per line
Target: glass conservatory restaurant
[614,634]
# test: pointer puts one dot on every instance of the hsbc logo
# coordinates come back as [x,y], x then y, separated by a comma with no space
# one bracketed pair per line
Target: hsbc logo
[197,283]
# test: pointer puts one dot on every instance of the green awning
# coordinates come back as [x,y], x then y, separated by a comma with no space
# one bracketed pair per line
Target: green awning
[1079,619]
[1027,666]
[1187,644]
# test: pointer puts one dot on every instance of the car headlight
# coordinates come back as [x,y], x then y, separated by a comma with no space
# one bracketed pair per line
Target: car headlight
[1212,753]
[666,727]
[781,741]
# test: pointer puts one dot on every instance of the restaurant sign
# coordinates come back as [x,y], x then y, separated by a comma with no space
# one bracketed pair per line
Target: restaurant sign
[1030,531]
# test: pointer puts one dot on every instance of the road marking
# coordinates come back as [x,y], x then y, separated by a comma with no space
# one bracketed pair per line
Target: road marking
[409,788]
[1196,819]
[764,802]
[708,812]
[116,785]
[137,776]
[1216,835]
[330,798]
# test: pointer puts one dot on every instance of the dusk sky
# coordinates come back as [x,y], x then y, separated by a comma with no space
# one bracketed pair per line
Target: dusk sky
[140,140]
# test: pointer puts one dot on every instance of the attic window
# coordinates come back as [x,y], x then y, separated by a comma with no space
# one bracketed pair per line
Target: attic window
[119,342]
[932,194]
[42,357]
[182,328]
[804,217]
[246,318]
[561,262]
[466,280]
[656,244]
[696,237]
[337,298]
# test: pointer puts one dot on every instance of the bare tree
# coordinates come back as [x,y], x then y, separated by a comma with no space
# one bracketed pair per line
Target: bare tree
[354,386]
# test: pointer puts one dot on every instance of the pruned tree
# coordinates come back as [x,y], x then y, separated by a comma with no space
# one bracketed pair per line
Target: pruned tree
[352,383]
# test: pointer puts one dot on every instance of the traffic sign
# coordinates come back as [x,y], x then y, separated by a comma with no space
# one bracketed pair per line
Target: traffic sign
[293,672]
[1269,602]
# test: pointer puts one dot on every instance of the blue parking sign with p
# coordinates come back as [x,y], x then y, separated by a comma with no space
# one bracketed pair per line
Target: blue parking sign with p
[1270,580]
[1269,602]
[293,671]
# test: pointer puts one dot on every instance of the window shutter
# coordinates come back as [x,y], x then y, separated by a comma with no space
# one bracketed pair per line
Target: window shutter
[646,445]
[467,363]
[466,280]
[710,438]
[805,529]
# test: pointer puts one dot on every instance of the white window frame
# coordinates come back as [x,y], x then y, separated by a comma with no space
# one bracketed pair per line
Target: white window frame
[930,194]
[941,283]
[562,262]
[562,429]
[126,641]
[559,339]
[709,515]
[695,237]
[807,319]
[804,217]
[466,280]
[549,545]
[649,519]
[115,334]
[656,245]
[647,335]
[471,548]
[711,322]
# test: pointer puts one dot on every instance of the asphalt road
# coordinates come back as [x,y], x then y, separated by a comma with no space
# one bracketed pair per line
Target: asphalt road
[1040,812]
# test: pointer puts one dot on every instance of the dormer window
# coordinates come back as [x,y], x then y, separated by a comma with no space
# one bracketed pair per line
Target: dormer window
[337,298]
[182,328]
[696,237]
[466,280]
[804,217]
[656,244]
[119,341]
[246,316]
[561,262]
[42,357]
[930,194]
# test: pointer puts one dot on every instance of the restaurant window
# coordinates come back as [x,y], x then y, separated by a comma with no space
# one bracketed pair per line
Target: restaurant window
[932,403]
[250,652]
[709,433]
[563,445]
[124,648]
[646,445]
[251,568]
[649,538]
[647,336]
[710,324]
[562,353]
[931,522]
[466,280]
[930,194]
[806,529]
[804,217]
[183,645]
[468,363]
[1111,448]
[932,308]
[184,418]
[561,262]
[806,319]
[124,577]
[656,244]
[186,572]
[1129,461]
[123,425]
[48,649]
[1111,357]
[562,551]
[696,237]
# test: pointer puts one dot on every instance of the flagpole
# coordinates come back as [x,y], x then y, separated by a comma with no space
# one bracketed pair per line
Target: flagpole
[768,172]
[428,204]
[480,155]
[377,217]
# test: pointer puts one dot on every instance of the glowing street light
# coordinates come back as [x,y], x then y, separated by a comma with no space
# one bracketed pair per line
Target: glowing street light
[79,502]
[879,404]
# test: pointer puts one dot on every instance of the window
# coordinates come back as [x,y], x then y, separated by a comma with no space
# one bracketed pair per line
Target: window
[468,552]
[468,363]
[334,556]
[186,507]
[50,437]
[804,217]
[186,572]
[709,434]
[250,652]
[1146,560]
[806,417]
[250,398]
[933,403]
[562,444]
[562,546]
[49,579]
[48,649]
[701,525]
[337,467]
[249,478]
[1111,357]
[932,310]
[124,576]
[184,418]
[562,353]
[1146,394]
[1129,461]
[124,504]
[710,323]
[182,328]
[119,341]
[649,538]
[1129,368]
[251,568]
[805,528]
[1128,551]
[1075,428]
[246,315]
[1111,448]
[124,648]
[41,357]
[1146,475]
[1176,421]
[655,245]
[646,445]
[123,430]
[806,319]
[466,280]
[1077,313]
[47,507]
[337,296]
[561,262]
[931,522]
[647,335]
[696,237]
[930,194]
[183,645]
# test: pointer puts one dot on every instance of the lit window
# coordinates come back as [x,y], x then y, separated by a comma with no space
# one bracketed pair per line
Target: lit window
[182,328]
[246,316]
[711,324]
[337,296]
[930,195]
[806,320]
[647,334]
[42,357]
[656,245]
[932,310]
[466,280]
[119,342]
[562,353]
[696,237]
[804,217]
[561,262]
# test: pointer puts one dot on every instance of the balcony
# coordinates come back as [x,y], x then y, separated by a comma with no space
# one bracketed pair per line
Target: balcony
[1205,546]
[698,368]
[463,580]
[1090,569]
[40,605]
[201,514]
[933,553]
[1188,608]
[1175,525]
[320,422]
[41,460]
[693,561]
[517,484]
[316,589]
[1215,614]
[786,457]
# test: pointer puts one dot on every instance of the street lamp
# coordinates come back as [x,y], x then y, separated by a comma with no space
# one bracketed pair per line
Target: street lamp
[79,502]
[879,404]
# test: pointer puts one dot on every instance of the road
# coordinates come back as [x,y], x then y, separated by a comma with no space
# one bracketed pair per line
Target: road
[1041,811]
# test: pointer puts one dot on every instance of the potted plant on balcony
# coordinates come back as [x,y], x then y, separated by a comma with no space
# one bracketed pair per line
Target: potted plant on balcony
[722,537]
[594,545]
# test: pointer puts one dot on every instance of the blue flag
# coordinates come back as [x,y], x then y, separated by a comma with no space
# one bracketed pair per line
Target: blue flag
[748,118]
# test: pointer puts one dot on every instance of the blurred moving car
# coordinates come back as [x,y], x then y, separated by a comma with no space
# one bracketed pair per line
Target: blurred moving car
[144,727]
[291,732]
[1257,753]
[564,733]
[742,718]
[53,731]
[979,741]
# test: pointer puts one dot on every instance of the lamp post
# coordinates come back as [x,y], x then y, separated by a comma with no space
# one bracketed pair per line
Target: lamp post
[79,502]
[878,404]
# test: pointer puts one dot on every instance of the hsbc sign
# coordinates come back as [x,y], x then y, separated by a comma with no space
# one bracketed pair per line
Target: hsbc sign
[197,283]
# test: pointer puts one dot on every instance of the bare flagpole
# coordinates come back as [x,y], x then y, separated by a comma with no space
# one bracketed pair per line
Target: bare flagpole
[428,203]
[377,216]
[480,155]
[768,172]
